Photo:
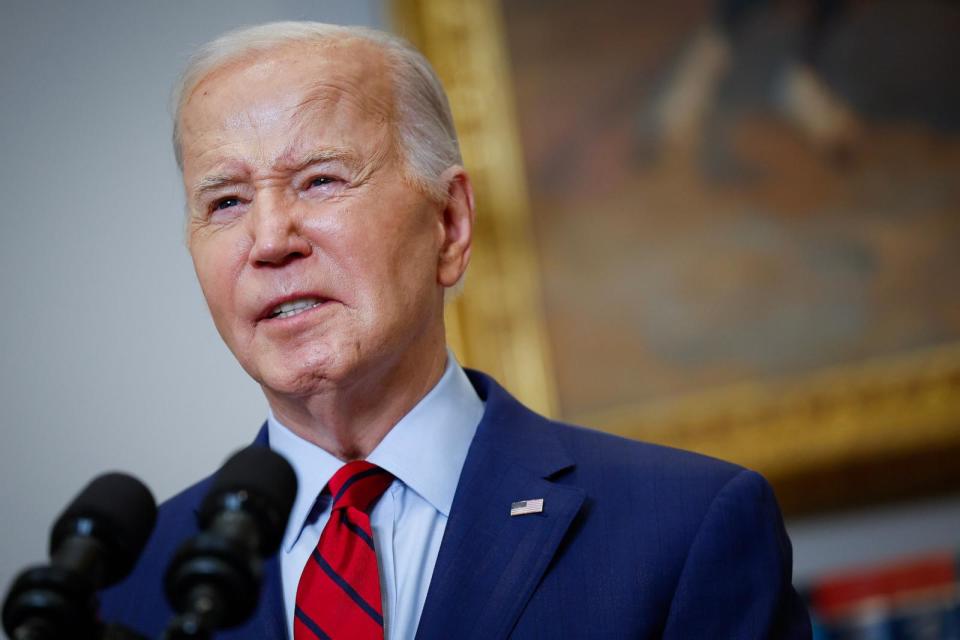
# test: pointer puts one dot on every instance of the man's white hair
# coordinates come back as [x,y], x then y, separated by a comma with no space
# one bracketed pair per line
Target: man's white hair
[423,125]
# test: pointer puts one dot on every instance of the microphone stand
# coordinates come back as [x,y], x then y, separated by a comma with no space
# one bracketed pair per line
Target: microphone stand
[45,600]
[201,616]
[213,580]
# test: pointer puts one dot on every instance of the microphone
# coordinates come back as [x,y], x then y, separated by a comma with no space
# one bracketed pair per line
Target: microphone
[214,579]
[93,544]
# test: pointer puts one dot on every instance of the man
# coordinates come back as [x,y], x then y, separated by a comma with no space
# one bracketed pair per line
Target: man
[329,214]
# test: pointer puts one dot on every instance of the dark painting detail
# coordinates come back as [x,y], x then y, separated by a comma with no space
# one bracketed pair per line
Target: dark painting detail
[738,190]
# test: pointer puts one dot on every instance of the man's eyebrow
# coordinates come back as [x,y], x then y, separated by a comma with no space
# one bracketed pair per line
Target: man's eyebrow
[297,163]
[216,181]
[212,183]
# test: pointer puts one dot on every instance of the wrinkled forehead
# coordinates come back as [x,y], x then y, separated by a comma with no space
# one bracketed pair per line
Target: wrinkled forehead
[285,81]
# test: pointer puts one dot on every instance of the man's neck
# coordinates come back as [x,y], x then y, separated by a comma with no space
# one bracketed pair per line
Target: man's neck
[350,421]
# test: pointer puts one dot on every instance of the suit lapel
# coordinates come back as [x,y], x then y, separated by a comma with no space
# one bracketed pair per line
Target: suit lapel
[490,562]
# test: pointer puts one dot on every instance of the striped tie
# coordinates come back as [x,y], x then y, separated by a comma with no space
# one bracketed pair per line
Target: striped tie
[339,591]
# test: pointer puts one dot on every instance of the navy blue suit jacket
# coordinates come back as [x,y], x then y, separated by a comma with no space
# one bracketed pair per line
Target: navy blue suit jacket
[634,541]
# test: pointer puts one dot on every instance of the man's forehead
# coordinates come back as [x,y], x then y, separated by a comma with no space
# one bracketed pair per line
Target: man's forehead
[334,90]
[350,69]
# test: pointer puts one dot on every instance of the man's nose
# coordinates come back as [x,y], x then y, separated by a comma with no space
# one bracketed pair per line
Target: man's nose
[277,233]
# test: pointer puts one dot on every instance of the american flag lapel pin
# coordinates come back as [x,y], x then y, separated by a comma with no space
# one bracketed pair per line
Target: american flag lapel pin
[523,507]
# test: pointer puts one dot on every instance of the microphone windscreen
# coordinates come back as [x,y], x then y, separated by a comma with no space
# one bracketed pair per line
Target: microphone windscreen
[119,512]
[261,482]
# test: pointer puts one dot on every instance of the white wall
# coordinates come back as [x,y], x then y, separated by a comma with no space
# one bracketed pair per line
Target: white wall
[108,359]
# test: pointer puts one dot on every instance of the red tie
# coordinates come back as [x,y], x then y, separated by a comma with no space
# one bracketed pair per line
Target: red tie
[339,591]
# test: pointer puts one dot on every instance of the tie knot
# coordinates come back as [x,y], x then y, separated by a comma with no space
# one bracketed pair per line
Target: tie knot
[358,484]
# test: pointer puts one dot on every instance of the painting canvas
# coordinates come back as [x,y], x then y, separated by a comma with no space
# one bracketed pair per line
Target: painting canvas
[702,221]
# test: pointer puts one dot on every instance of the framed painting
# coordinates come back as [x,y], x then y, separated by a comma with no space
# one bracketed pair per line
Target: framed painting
[729,226]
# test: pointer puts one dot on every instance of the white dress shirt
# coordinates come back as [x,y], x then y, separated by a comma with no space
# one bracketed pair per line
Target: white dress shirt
[425,452]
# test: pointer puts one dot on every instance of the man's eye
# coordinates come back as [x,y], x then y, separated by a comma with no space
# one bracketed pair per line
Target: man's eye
[226,203]
[321,181]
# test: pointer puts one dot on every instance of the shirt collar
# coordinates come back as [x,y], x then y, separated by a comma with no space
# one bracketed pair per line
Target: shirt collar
[425,450]
[314,468]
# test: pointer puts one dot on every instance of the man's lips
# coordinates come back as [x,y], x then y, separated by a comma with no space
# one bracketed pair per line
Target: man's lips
[290,306]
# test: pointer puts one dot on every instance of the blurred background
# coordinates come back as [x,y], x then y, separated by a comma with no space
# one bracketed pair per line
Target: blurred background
[732,226]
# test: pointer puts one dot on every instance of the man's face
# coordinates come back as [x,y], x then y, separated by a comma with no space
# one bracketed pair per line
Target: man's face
[318,260]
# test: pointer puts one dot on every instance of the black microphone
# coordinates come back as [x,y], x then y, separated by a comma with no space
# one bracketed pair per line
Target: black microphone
[93,544]
[214,579]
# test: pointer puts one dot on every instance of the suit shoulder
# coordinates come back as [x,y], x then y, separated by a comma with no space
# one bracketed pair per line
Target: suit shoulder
[587,447]
[177,516]
[606,461]
[590,445]
[678,489]
[187,500]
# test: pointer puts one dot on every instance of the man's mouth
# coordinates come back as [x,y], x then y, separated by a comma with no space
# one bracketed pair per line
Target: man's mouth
[293,307]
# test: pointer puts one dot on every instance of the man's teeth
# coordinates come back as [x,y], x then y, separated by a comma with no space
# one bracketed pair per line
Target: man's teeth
[294,307]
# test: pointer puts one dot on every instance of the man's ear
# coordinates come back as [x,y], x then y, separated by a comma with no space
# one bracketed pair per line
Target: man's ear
[456,219]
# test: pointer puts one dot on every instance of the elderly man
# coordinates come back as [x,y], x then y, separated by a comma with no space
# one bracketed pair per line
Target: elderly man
[329,214]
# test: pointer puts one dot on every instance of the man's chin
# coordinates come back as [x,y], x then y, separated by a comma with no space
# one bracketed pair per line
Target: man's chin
[306,382]
[295,367]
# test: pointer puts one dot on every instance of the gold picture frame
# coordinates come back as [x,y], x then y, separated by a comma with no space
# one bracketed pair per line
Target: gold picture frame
[849,435]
